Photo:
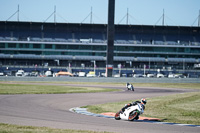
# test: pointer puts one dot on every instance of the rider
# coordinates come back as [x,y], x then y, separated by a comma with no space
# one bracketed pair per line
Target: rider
[143,101]
[129,86]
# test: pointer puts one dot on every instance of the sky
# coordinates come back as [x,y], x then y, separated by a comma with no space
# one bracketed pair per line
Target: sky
[140,12]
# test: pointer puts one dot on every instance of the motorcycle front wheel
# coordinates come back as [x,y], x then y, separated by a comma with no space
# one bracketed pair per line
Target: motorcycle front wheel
[133,115]
[117,116]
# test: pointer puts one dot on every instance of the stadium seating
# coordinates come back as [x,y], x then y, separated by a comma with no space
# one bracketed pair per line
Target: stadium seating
[99,37]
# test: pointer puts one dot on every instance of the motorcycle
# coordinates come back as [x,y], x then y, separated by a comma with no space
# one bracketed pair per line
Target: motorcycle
[129,87]
[131,113]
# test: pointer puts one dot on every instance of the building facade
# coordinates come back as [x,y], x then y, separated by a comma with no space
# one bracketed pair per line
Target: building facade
[80,45]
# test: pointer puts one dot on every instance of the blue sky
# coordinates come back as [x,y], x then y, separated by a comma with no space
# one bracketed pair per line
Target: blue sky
[141,12]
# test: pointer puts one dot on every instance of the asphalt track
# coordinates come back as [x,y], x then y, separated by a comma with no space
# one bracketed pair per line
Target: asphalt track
[52,110]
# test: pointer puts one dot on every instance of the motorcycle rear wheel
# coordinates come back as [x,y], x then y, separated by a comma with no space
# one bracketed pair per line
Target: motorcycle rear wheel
[133,115]
[117,116]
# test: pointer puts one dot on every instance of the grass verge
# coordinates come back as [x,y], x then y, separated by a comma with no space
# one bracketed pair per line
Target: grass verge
[48,89]
[165,85]
[179,108]
[7,128]
[170,85]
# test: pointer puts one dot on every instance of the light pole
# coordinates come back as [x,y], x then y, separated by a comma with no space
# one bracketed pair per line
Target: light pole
[94,66]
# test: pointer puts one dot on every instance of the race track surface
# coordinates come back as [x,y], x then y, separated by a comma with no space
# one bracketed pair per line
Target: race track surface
[52,110]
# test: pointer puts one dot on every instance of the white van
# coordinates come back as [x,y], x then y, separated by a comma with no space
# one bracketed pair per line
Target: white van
[1,74]
[81,74]
[19,73]
[49,73]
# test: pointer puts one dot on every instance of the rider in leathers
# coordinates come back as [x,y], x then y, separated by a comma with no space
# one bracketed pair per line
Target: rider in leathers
[143,102]
[129,86]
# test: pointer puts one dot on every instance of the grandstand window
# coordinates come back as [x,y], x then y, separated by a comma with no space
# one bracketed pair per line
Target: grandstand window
[161,49]
[101,54]
[74,53]
[23,45]
[73,47]
[2,45]
[31,52]
[122,48]
[180,49]
[149,49]
[9,52]
[99,47]
[64,53]
[136,48]
[85,47]
[158,49]
[193,50]
[122,54]
[11,45]
[50,53]
[86,53]
[48,46]
[36,45]
[61,46]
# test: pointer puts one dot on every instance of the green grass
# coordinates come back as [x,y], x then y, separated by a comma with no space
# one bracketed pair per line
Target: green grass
[164,85]
[7,128]
[170,85]
[179,108]
[47,89]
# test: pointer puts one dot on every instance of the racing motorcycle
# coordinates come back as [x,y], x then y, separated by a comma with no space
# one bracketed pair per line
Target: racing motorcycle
[129,87]
[131,113]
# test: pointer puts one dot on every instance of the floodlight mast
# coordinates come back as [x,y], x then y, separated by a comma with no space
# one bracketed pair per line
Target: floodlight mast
[110,38]
[18,14]
[199,19]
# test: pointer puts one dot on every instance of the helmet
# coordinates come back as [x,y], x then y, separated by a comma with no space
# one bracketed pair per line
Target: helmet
[143,101]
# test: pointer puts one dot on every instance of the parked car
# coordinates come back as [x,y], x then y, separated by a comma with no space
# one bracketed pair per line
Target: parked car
[171,75]
[49,73]
[116,75]
[1,74]
[19,73]
[137,75]
[81,74]
[159,75]
[150,75]
[91,74]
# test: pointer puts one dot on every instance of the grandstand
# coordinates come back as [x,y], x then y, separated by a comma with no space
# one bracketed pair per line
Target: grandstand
[60,44]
